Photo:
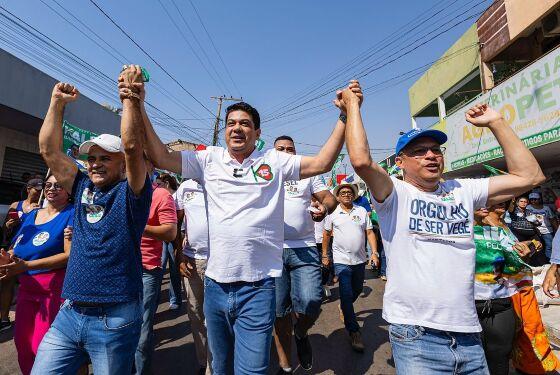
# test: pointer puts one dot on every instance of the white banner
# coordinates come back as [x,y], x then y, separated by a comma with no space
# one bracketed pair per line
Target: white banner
[530,104]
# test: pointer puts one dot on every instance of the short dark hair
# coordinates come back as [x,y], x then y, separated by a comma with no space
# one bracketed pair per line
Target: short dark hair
[242,106]
[166,177]
[284,138]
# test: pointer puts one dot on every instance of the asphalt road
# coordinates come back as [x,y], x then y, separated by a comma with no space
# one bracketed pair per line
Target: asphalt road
[333,354]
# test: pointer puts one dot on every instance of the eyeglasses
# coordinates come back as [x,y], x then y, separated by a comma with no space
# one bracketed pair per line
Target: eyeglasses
[420,152]
[51,186]
[346,193]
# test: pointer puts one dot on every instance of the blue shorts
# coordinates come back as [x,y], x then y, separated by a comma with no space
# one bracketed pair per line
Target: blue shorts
[299,288]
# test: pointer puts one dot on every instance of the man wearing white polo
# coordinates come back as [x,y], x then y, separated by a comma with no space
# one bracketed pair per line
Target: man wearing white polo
[350,225]
[244,190]
[193,261]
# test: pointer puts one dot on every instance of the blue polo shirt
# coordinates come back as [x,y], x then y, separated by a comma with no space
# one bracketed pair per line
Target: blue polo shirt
[105,264]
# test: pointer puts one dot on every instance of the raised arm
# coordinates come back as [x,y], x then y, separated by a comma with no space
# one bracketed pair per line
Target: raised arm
[324,160]
[132,129]
[375,177]
[50,136]
[524,170]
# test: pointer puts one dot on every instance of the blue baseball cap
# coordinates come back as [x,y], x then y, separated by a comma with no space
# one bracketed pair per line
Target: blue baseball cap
[437,135]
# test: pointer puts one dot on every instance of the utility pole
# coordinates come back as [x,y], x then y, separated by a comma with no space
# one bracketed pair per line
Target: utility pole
[220,100]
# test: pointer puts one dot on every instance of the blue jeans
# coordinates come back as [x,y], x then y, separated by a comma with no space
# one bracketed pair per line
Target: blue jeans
[547,244]
[350,286]
[299,288]
[239,319]
[151,279]
[425,351]
[168,254]
[107,334]
[383,262]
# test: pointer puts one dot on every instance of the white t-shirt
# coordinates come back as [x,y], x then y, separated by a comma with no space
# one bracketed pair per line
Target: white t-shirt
[543,215]
[429,246]
[349,236]
[190,198]
[319,227]
[298,224]
[245,210]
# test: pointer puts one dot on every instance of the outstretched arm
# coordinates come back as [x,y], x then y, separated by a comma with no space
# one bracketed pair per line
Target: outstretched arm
[50,136]
[375,177]
[132,129]
[324,160]
[524,170]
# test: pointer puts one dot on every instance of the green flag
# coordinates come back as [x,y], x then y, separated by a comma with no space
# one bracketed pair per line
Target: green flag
[74,136]
[339,159]
[494,171]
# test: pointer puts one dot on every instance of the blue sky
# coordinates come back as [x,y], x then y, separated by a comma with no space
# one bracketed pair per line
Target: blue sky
[272,50]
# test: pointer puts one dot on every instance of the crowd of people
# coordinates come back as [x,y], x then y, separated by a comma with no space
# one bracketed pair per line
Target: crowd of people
[254,236]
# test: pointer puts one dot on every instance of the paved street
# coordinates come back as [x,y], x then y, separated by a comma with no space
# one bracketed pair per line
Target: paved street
[333,355]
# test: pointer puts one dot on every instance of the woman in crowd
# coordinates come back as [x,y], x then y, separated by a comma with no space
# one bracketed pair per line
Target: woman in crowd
[503,293]
[38,255]
[169,183]
[17,213]
[524,226]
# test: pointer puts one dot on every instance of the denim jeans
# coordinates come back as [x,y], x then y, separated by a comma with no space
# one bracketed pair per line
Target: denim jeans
[350,286]
[168,254]
[425,351]
[299,288]
[239,319]
[108,335]
[547,244]
[151,279]
[383,263]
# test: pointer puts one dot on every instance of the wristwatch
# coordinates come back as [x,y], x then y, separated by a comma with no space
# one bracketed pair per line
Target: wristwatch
[342,118]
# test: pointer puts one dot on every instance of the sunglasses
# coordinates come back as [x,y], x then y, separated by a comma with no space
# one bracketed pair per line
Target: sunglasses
[51,186]
[420,152]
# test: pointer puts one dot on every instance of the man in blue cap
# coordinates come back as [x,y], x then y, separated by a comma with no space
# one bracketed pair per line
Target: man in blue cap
[427,229]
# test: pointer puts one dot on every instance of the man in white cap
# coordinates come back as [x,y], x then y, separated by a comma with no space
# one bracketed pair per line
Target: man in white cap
[350,226]
[102,312]
[427,229]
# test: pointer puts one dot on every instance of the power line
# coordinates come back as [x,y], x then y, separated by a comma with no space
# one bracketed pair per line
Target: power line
[61,61]
[149,56]
[220,85]
[216,50]
[379,63]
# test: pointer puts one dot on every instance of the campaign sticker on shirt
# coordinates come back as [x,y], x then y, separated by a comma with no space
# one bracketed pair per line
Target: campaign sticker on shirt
[264,171]
[94,213]
[40,238]
[356,219]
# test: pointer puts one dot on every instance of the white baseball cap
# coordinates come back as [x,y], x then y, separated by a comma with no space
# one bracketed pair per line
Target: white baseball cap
[108,142]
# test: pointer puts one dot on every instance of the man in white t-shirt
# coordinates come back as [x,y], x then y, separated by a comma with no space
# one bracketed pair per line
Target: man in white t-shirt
[193,261]
[350,225]
[427,229]
[244,190]
[298,290]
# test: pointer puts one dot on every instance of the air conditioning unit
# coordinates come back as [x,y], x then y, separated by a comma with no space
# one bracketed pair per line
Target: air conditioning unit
[551,24]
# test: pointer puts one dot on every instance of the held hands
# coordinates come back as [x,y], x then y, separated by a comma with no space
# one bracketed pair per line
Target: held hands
[374,261]
[482,115]
[131,84]
[64,93]
[353,93]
